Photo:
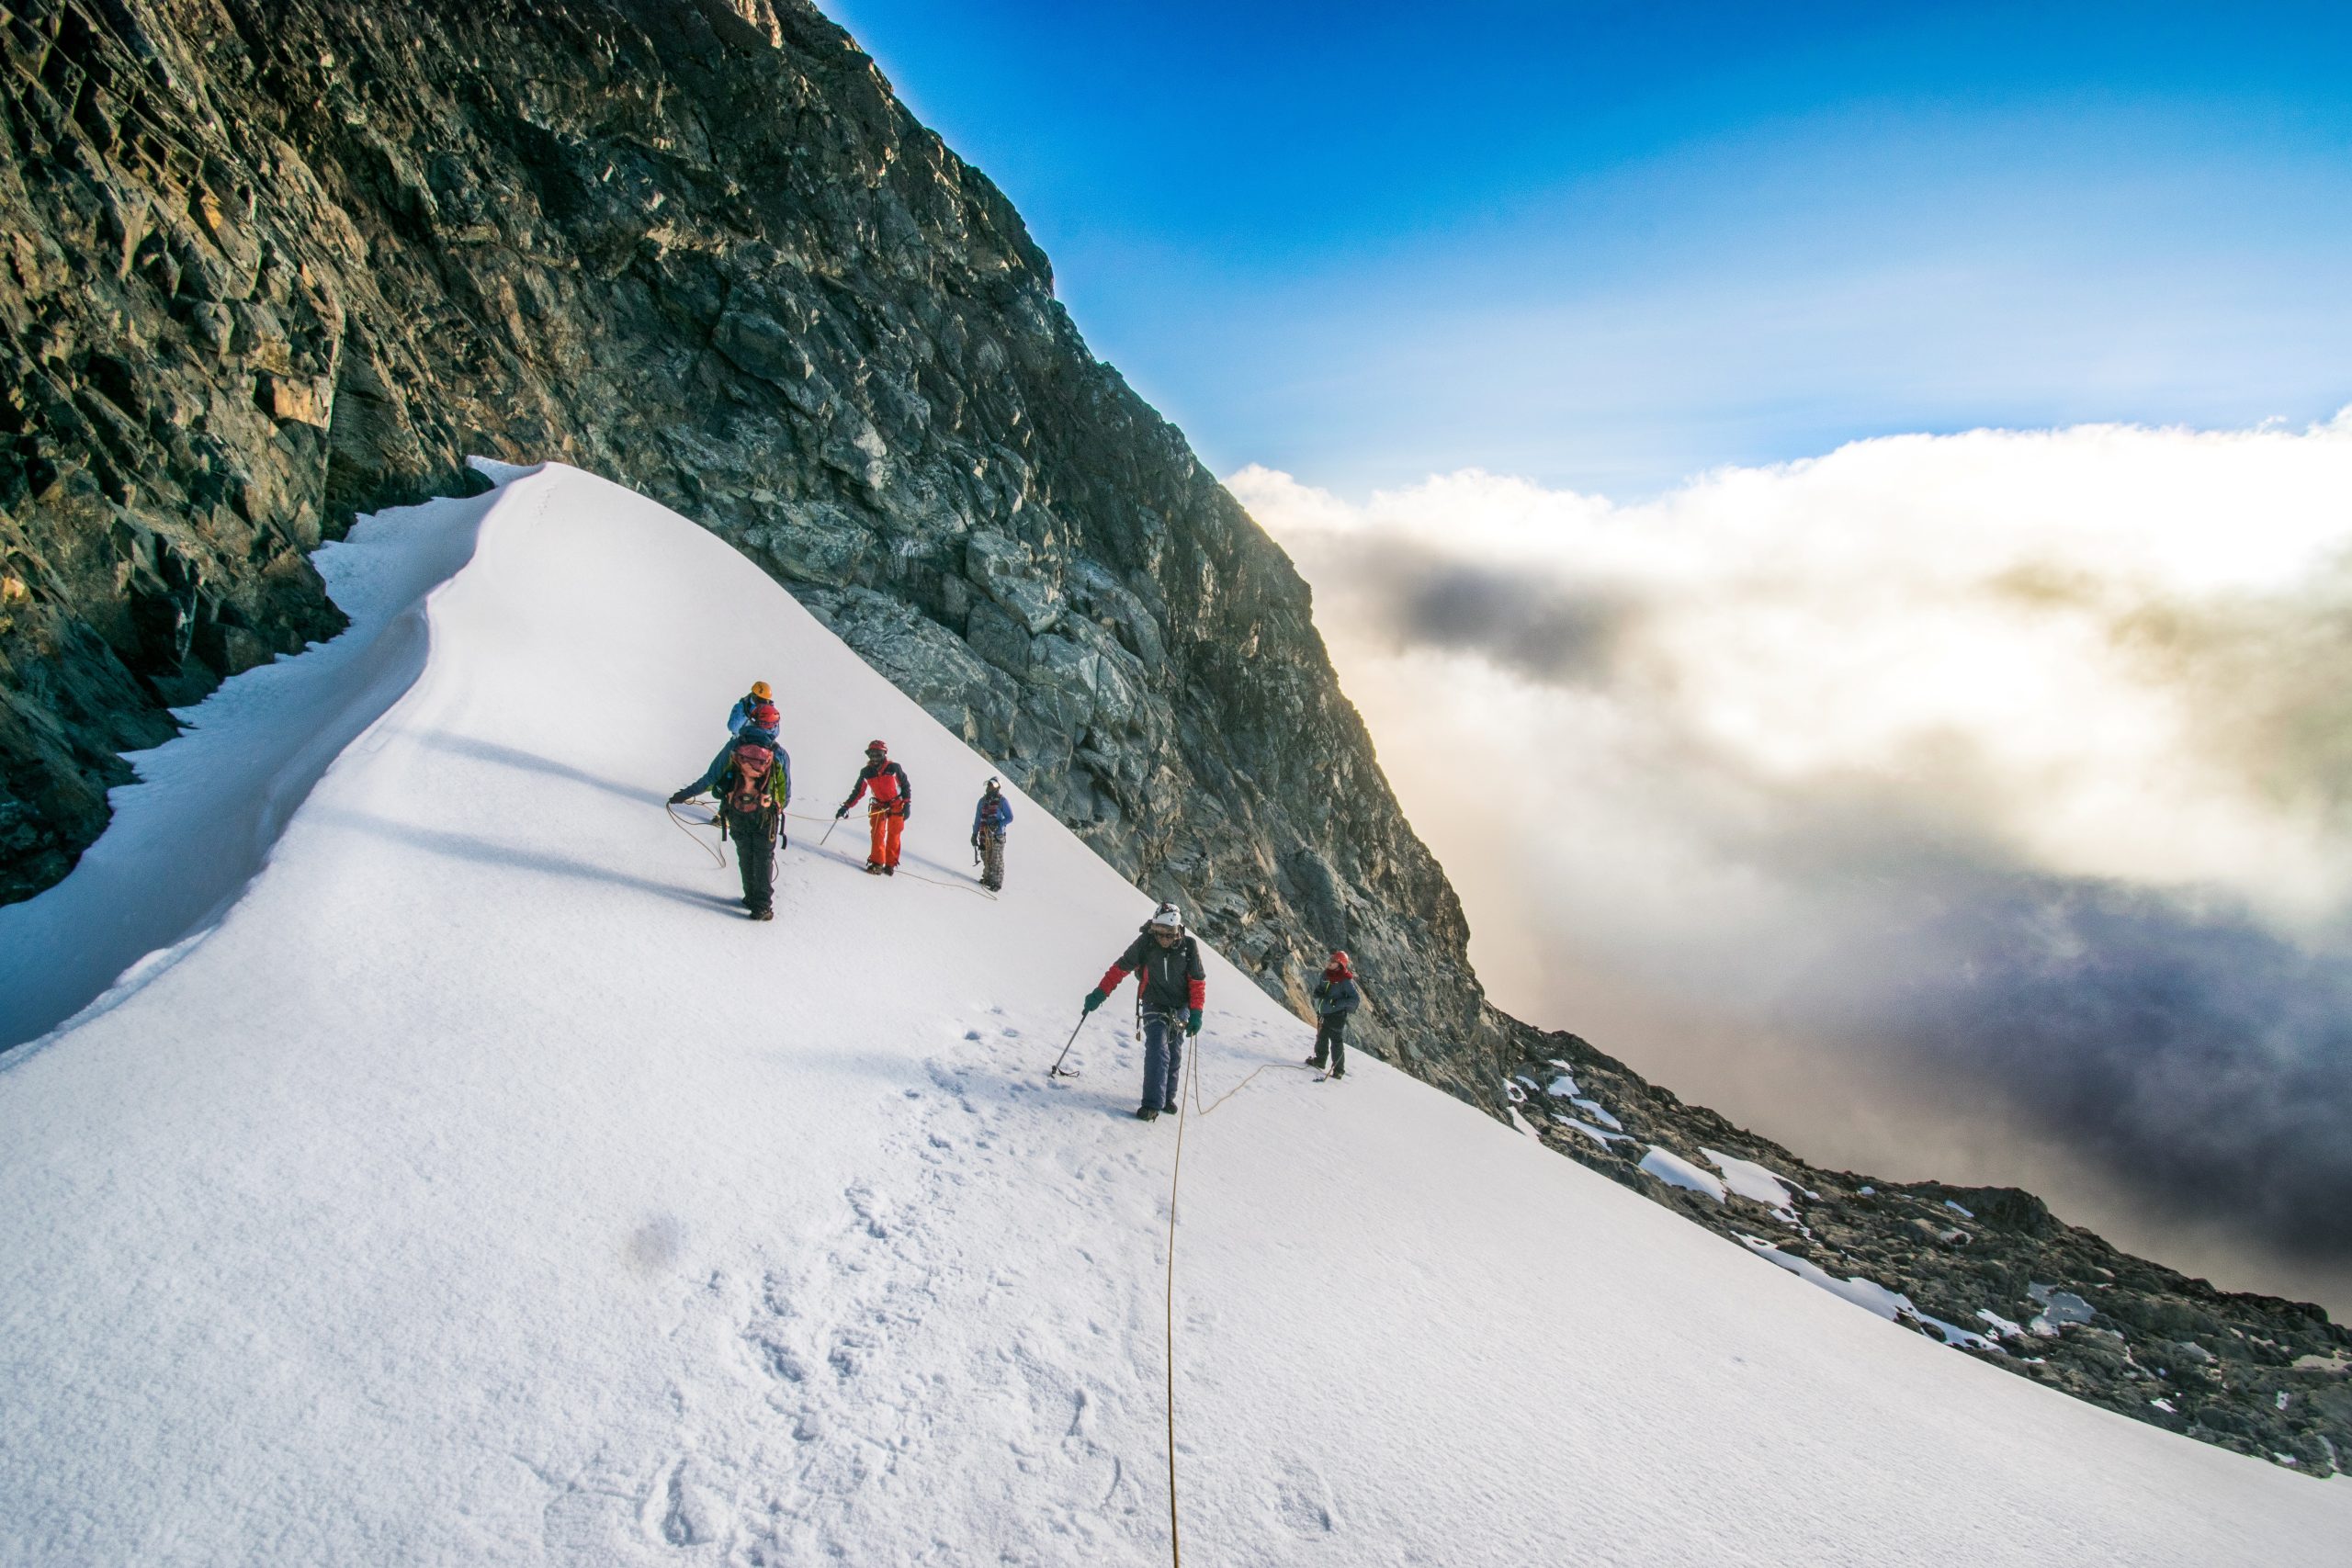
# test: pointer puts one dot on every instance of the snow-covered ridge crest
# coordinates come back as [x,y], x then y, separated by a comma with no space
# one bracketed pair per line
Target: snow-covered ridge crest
[183,841]
[485,1188]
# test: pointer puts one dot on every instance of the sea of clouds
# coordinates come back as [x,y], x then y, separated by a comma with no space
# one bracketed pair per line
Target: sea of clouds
[1975,806]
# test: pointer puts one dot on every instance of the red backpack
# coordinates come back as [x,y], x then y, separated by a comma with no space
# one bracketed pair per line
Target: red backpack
[750,793]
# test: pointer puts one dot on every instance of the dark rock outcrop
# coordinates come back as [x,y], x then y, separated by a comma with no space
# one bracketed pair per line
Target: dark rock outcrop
[272,262]
[1987,1269]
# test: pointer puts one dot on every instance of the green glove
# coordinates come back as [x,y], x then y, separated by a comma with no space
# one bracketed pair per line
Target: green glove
[1193,1021]
[1095,999]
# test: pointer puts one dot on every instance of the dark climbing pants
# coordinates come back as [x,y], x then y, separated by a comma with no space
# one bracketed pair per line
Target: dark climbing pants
[1331,1042]
[992,857]
[1163,1060]
[755,855]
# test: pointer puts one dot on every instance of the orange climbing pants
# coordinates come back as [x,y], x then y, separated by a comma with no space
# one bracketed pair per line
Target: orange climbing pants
[885,823]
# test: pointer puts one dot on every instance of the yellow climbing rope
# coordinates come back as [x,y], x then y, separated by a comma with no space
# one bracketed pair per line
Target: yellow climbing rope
[1186,1104]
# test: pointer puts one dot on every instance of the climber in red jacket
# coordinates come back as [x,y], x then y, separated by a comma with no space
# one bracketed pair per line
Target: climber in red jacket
[890,798]
[1173,988]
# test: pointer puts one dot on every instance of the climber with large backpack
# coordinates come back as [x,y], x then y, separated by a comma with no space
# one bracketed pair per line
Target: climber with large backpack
[1172,989]
[754,787]
[759,726]
[1336,996]
[990,819]
[891,799]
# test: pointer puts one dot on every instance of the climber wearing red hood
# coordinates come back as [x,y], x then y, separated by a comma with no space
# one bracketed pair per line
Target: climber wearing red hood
[891,797]
[1335,997]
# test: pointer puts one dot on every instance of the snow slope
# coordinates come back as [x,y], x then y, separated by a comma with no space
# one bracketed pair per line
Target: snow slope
[481,1188]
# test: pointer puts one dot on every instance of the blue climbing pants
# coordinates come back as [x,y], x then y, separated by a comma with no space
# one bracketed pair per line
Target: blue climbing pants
[1163,1060]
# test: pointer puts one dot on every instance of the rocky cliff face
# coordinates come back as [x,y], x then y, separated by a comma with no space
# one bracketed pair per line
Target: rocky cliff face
[271,262]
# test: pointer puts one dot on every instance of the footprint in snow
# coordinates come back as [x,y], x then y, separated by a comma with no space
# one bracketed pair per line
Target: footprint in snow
[871,1211]
[780,1362]
[654,1246]
[1302,1501]
[684,1515]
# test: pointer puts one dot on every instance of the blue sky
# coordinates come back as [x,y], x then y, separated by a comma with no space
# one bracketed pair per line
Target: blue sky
[1609,246]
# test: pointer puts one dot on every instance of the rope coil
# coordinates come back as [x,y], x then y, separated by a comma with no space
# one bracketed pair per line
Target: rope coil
[717,855]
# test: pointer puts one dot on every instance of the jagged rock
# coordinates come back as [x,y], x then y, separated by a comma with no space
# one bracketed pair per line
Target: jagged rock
[2051,1301]
[814,542]
[1006,571]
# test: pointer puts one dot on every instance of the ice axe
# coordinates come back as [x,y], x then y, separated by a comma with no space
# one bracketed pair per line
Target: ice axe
[1055,1070]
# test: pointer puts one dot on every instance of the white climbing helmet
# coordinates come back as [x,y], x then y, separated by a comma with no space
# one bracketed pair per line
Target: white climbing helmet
[1166,917]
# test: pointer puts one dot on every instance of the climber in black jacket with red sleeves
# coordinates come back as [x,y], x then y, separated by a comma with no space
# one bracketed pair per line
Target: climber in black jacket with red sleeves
[1167,966]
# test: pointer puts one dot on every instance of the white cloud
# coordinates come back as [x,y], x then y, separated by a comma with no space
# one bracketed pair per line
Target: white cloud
[1945,804]
[2056,640]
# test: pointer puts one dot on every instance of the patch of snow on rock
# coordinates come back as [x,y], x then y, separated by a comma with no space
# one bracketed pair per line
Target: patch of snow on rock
[1871,1298]
[2002,1327]
[1750,1179]
[1676,1172]
[2059,1307]
[1952,1334]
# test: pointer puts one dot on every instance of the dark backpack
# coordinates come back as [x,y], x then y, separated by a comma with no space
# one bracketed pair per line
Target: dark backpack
[748,794]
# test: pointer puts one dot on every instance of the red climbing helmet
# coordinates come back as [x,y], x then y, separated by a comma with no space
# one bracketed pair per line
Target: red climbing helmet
[1341,963]
[874,746]
[765,715]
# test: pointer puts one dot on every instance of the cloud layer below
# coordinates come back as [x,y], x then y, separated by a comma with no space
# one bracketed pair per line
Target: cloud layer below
[1971,806]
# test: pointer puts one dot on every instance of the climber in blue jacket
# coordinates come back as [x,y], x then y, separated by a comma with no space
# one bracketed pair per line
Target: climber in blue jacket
[760,695]
[1335,996]
[990,819]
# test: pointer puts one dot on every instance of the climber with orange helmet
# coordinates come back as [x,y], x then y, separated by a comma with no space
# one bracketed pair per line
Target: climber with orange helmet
[890,798]
[1335,996]
[740,714]
[754,721]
